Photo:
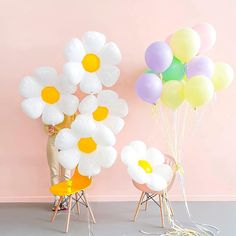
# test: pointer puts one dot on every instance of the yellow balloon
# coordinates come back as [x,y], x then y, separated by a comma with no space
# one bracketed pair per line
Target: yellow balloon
[223,76]
[185,44]
[173,93]
[198,90]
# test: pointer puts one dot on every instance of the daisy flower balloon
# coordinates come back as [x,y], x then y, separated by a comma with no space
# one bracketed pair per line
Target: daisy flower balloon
[106,108]
[92,62]
[48,96]
[146,166]
[87,145]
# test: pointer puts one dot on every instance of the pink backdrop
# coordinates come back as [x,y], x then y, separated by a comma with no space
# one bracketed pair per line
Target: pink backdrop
[33,33]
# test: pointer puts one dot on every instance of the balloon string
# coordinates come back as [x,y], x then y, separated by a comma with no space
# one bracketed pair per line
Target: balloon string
[175,143]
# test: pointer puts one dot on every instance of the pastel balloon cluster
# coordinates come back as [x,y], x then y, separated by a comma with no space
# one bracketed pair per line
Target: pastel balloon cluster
[91,64]
[179,71]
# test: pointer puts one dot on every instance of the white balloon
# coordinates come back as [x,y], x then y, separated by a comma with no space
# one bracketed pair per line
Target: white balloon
[119,108]
[104,136]
[88,105]
[137,174]
[93,41]
[46,75]
[69,104]
[110,54]
[74,51]
[109,75]
[52,115]
[129,156]
[165,171]
[157,183]
[83,126]
[106,156]
[90,84]
[74,72]
[69,158]
[140,147]
[155,156]
[115,124]
[66,87]
[88,166]
[106,96]
[29,87]
[65,139]
[33,107]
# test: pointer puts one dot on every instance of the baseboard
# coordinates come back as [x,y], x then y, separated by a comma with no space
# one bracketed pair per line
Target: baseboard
[119,198]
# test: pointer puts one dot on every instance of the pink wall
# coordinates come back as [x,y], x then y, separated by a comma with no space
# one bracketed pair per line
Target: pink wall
[33,33]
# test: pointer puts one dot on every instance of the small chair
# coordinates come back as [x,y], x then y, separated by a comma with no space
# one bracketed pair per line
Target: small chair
[150,194]
[75,186]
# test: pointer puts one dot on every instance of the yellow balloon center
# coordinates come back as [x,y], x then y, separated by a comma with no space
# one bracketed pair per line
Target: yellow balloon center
[91,62]
[101,113]
[50,95]
[146,166]
[87,145]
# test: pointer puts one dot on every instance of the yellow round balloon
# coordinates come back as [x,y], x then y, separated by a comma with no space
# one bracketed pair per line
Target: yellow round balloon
[173,93]
[223,76]
[198,90]
[185,44]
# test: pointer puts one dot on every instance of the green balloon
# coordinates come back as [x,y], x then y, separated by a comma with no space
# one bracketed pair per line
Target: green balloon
[175,71]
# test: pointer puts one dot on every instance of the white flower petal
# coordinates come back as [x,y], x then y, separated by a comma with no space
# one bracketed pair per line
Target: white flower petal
[156,182]
[90,84]
[73,72]
[88,165]
[69,158]
[46,76]
[119,108]
[140,147]
[83,126]
[165,171]
[109,75]
[65,139]
[52,115]
[106,156]
[93,41]
[66,87]
[110,54]
[115,124]
[137,174]
[88,105]
[155,157]
[104,136]
[29,87]
[33,107]
[129,156]
[107,97]
[74,50]
[69,104]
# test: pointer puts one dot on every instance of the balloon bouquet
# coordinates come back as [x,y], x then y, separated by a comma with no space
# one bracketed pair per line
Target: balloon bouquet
[180,80]
[91,63]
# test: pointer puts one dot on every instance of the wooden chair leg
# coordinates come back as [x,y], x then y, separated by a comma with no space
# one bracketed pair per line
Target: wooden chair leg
[69,212]
[89,208]
[138,206]
[77,202]
[161,211]
[146,204]
[56,210]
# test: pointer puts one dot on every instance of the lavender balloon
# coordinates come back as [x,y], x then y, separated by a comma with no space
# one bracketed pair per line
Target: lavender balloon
[200,65]
[149,87]
[158,56]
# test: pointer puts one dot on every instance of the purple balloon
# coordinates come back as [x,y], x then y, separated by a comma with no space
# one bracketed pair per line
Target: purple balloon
[149,87]
[158,56]
[200,65]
